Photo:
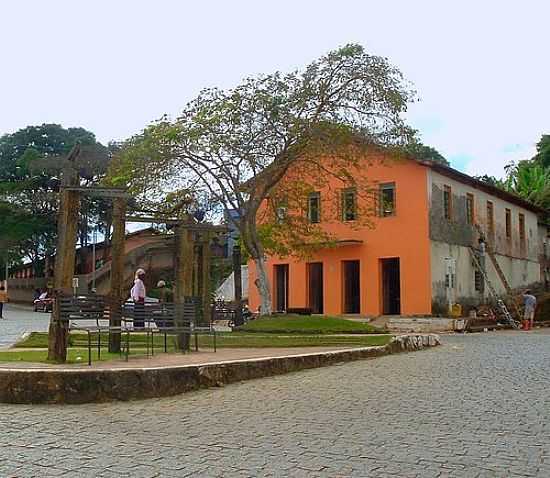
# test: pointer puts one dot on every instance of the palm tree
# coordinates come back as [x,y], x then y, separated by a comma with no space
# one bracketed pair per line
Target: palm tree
[531,181]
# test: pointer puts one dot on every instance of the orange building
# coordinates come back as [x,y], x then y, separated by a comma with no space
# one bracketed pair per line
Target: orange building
[415,258]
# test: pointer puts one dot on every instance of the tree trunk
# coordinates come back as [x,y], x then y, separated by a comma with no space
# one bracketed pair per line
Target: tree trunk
[262,283]
[64,269]
[251,239]
[117,271]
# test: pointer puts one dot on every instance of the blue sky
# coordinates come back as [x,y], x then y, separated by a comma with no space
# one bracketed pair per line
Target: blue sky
[480,68]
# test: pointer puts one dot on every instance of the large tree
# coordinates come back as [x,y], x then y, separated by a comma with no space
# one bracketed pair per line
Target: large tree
[543,151]
[237,145]
[31,160]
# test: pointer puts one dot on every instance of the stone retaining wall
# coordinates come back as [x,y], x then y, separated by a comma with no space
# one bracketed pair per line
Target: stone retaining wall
[103,385]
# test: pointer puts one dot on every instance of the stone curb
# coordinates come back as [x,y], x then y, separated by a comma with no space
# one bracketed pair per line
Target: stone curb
[25,386]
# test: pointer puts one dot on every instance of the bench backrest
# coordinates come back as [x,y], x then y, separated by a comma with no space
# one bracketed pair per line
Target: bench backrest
[163,315]
[88,307]
[102,308]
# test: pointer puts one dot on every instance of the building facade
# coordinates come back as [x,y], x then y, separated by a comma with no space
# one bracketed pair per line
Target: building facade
[417,256]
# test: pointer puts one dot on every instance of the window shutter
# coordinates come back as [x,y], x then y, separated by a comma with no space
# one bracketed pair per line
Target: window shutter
[376,202]
[341,204]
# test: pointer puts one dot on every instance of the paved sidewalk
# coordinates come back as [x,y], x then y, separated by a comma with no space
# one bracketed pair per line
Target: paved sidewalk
[18,320]
[161,359]
[476,407]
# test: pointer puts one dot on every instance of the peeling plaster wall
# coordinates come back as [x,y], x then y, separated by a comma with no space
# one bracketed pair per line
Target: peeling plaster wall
[519,273]
[544,252]
[451,239]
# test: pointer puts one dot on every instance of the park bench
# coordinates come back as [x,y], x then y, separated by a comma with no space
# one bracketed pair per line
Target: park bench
[94,310]
[166,319]
[92,313]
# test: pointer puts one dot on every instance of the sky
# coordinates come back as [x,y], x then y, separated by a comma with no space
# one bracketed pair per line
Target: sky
[480,68]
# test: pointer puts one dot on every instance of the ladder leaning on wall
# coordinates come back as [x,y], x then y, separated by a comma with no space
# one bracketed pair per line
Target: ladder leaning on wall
[501,306]
[500,273]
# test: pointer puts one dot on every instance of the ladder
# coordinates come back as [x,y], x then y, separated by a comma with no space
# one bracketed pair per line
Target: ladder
[501,306]
[500,273]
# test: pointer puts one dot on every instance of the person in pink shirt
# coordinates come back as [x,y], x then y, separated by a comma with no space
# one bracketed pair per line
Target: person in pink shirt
[137,294]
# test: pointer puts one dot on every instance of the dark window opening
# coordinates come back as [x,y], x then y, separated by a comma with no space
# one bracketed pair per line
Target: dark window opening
[281,287]
[315,287]
[387,199]
[352,287]
[490,219]
[349,205]
[508,223]
[447,202]
[391,286]
[314,208]
[470,208]
[522,231]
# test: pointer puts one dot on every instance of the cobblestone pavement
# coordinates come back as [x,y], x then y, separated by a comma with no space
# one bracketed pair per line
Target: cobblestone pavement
[475,407]
[18,320]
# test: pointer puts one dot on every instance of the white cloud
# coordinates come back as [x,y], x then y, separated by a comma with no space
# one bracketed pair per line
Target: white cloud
[480,68]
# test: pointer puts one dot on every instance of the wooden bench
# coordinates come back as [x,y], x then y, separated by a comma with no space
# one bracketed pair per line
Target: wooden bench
[167,319]
[149,318]
[91,308]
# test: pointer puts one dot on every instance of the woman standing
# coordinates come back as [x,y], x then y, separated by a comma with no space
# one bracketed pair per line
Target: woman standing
[138,296]
[3,300]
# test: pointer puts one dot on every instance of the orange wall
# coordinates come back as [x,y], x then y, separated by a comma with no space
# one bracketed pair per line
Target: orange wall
[404,235]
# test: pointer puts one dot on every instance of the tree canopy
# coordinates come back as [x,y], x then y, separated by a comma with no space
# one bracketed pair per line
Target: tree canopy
[251,135]
[543,151]
[425,153]
[31,160]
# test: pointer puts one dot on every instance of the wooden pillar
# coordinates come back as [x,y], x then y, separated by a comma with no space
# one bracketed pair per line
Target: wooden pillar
[117,292]
[184,275]
[205,279]
[197,255]
[67,229]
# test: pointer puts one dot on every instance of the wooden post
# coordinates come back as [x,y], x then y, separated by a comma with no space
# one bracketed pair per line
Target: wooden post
[184,274]
[67,224]
[197,254]
[205,279]
[117,292]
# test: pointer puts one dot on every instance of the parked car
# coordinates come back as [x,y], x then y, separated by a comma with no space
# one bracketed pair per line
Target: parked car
[44,303]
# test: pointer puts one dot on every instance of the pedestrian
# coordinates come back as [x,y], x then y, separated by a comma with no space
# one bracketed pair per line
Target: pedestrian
[3,300]
[530,303]
[482,245]
[163,291]
[138,296]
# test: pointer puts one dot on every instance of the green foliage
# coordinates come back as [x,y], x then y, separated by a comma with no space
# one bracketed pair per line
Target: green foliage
[425,153]
[47,140]
[531,181]
[233,147]
[491,181]
[543,151]
[31,161]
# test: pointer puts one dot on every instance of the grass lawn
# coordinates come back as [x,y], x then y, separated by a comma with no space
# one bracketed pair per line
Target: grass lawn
[78,343]
[74,355]
[304,324]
